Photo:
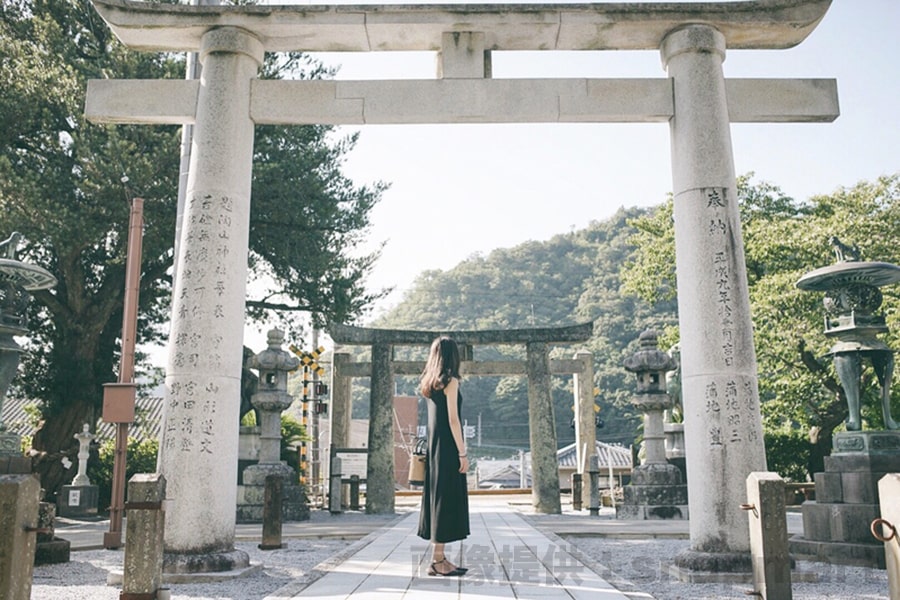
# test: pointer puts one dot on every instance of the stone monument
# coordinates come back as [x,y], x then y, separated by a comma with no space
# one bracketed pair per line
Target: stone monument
[17,278]
[836,523]
[657,490]
[80,498]
[270,400]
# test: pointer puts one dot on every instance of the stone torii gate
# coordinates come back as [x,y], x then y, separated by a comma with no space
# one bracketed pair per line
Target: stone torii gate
[537,367]
[722,421]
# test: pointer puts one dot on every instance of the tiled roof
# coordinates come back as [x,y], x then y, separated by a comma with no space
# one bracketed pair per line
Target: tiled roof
[619,457]
[147,419]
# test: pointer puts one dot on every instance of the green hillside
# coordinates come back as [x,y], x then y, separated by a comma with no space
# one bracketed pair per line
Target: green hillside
[571,278]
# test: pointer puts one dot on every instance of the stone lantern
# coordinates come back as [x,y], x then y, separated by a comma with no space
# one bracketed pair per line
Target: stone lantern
[656,490]
[835,526]
[271,398]
[17,279]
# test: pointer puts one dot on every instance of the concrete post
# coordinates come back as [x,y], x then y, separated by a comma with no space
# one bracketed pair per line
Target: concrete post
[594,487]
[380,466]
[768,536]
[542,431]
[143,561]
[200,438]
[341,409]
[334,487]
[585,418]
[354,492]
[271,533]
[889,498]
[341,386]
[577,491]
[723,427]
[19,496]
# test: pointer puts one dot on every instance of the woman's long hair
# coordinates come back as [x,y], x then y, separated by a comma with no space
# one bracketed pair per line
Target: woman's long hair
[442,365]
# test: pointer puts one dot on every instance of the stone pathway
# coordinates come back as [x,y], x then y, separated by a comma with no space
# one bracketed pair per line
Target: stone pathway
[506,556]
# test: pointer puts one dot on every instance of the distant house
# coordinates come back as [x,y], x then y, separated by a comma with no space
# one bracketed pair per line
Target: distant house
[614,459]
[615,463]
[147,419]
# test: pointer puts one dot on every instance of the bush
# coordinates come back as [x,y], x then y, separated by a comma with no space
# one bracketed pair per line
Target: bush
[788,453]
[141,459]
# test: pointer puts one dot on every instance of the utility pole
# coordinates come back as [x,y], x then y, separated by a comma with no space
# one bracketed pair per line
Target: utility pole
[119,398]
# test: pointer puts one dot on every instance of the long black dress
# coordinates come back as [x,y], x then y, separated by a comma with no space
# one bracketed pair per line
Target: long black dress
[444,516]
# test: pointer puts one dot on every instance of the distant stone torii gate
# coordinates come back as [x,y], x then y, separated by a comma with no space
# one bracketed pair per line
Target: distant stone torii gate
[723,426]
[537,367]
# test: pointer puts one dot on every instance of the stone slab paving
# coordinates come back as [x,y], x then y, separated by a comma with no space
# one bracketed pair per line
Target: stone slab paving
[506,556]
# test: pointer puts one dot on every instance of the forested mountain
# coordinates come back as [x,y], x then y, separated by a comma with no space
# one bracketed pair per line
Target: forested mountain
[571,278]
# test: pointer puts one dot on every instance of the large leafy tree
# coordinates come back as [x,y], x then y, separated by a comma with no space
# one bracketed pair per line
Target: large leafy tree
[785,238]
[66,185]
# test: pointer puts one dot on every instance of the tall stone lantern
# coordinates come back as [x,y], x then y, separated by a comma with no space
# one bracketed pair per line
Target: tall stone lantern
[836,524]
[17,280]
[271,398]
[657,490]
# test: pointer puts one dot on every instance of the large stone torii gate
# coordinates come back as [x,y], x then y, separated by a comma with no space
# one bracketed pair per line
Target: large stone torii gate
[537,367]
[722,420]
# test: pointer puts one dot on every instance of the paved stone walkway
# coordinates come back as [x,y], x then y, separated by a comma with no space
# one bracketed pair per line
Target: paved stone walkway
[506,556]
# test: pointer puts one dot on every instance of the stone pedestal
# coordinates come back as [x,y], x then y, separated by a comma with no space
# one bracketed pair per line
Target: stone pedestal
[656,491]
[50,549]
[251,495]
[836,526]
[76,501]
[10,444]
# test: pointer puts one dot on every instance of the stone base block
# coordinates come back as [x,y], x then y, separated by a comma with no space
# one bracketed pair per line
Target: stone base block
[651,512]
[212,562]
[655,494]
[838,522]
[15,465]
[52,552]
[77,501]
[656,474]
[692,566]
[839,553]
[250,500]
[117,577]
[11,446]
[255,475]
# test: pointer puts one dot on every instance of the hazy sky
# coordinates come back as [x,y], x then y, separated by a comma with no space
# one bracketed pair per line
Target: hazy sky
[500,185]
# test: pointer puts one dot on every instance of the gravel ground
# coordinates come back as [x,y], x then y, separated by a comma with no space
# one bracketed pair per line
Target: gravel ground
[84,577]
[633,565]
[645,563]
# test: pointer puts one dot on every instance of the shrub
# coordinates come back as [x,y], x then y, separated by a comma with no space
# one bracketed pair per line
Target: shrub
[788,454]
[141,459]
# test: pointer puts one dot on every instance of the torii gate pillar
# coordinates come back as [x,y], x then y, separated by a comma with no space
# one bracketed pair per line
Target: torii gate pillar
[198,452]
[723,426]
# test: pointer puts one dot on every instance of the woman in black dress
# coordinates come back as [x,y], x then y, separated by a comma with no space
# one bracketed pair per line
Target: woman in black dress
[444,516]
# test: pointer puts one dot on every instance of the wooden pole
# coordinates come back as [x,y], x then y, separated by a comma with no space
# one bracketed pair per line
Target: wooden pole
[113,538]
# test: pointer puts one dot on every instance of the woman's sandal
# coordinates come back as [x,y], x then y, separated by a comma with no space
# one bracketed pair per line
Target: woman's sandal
[455,572]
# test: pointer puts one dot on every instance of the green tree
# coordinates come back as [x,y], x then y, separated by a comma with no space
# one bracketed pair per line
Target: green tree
[62,186]
[785,238]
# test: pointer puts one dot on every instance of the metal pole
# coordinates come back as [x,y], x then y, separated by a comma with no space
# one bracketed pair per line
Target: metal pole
[113,538]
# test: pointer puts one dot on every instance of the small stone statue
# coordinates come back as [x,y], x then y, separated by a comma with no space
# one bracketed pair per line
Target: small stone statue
[10,246]
[84,452]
